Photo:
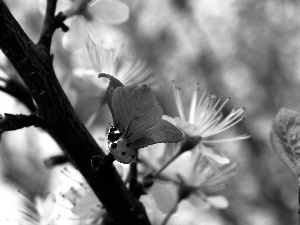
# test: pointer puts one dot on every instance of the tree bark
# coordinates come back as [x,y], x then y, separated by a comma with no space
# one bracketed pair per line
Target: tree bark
[34,65]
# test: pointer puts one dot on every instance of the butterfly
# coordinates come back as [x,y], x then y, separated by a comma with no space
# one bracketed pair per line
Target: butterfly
[137,118]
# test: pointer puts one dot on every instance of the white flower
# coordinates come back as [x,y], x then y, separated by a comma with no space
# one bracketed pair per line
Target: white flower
[188,214]
[86,205]
[85,16]
[200,174]
[201,177]
[120,61]
[205,176]
[37,211]
[71,201]
[86,91]
[75,199]
[205,116]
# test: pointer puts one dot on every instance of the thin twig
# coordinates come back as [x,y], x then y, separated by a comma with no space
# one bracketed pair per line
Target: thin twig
[170,213]
[166,164]
[51,23]
[55,161]
[135,187]
[12,122]
[187,144]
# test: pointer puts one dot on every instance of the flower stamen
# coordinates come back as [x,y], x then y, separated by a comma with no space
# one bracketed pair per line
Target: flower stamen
[205,115]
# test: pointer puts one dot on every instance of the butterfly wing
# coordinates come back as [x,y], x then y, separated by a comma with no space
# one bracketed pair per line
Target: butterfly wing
[161,132]
[113,84]
[136,109]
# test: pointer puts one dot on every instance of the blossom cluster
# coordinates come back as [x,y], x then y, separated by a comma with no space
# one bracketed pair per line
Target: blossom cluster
[192,170]
[195,176]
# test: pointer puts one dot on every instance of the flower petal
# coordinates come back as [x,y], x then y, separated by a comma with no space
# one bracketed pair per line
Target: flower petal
[114,12]
[207,151]
[219,201]
[88,204]
[188,128]
[75,39]
[154,213]
[86,82]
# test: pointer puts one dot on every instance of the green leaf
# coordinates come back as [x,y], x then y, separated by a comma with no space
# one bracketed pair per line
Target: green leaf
[285,138]
[135,108]
[113,84]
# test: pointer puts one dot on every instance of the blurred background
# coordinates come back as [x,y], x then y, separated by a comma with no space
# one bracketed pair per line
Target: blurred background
[248,50]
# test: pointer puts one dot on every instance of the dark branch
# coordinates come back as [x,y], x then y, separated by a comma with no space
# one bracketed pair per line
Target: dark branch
[56,161]
[59,21]
[51,23]
[135,187]
[14,122]
[132,178]
[34,66]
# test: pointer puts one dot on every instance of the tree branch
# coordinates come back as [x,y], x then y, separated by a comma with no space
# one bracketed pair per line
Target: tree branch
[14,122]
[55,161]
[34,65]
[51,23]
[135,187]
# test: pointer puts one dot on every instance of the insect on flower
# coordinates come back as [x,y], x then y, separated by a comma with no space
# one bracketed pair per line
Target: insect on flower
[137,118]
